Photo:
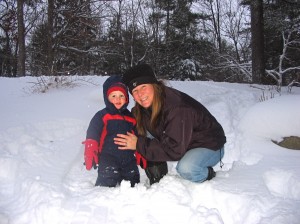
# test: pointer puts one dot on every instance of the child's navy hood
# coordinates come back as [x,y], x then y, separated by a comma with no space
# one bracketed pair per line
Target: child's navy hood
[113,80]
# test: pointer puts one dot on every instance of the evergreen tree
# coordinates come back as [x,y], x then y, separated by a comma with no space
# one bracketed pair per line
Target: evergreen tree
[70,47]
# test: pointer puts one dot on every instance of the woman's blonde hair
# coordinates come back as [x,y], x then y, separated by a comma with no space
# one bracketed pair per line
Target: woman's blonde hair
[156,109]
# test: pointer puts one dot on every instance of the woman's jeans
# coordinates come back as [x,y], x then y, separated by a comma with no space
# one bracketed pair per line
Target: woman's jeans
[193,165]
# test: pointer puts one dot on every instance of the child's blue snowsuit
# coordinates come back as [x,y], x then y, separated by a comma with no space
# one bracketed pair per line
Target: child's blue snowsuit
[114,165]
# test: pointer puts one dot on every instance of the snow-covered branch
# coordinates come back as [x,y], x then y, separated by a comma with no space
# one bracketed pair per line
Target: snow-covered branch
[86,51]
[231,63]
[278,73]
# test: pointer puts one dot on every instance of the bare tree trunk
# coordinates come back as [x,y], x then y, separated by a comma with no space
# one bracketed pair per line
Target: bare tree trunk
[50,55]
[257,41]
[216,23]
[21,39]
[168,34]
[8,61]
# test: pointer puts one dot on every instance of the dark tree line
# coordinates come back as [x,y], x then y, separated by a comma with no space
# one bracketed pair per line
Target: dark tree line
[238,41]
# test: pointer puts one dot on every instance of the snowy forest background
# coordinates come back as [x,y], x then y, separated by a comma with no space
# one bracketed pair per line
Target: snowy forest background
[255,41]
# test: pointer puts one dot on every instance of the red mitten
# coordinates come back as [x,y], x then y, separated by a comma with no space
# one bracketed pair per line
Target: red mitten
[90,153]
[139,159]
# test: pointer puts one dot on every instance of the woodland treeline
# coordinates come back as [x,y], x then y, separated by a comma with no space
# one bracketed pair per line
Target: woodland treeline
[222,40]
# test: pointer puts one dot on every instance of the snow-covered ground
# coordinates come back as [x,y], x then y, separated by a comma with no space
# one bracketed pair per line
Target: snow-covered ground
[43,180]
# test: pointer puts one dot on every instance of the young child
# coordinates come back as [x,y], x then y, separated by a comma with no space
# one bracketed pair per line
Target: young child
[114,165]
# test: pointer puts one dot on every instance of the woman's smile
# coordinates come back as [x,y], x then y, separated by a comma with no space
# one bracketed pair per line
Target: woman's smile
[143,95]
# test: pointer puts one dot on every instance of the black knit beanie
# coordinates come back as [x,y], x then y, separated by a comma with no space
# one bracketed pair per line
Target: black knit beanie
[137,75]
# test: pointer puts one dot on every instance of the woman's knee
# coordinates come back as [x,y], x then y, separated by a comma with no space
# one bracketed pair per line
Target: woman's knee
[191,173]
[194,165]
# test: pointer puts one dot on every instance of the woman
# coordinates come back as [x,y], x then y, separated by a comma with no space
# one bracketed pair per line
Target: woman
[172,126]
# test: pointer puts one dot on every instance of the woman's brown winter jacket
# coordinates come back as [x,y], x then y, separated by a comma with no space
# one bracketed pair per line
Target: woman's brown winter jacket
[185,124]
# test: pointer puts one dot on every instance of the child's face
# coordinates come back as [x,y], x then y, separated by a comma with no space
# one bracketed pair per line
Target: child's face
[117,98]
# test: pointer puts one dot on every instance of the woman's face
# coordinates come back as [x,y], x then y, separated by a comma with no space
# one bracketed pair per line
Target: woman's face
[143,94]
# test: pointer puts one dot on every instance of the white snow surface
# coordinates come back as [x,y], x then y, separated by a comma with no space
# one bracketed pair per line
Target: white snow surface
[43,179]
